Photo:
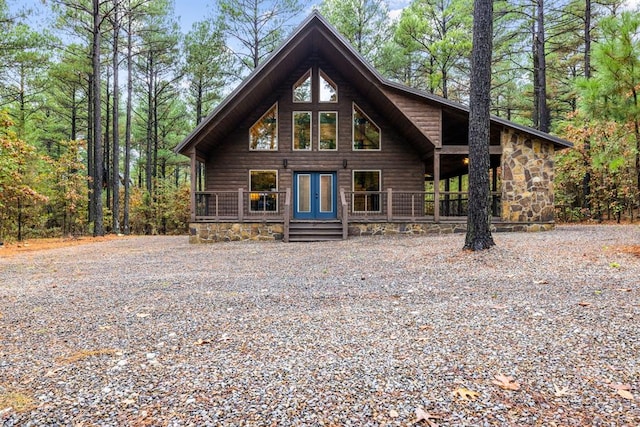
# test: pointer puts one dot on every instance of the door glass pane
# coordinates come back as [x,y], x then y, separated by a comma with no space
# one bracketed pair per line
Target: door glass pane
[304,193]
[326,193]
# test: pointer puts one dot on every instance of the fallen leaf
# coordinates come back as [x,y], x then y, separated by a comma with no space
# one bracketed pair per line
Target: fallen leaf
[422,415]
[619,386]
[559,392]
[465,393]
[624,289]
[143,315]
[505,382]
[200,341]
[584,304]
[626,394]
[541,282]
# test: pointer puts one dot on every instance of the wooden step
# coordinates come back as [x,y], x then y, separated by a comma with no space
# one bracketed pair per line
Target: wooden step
[314,231]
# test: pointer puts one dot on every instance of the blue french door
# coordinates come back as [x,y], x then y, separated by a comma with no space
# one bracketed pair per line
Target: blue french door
[314,195]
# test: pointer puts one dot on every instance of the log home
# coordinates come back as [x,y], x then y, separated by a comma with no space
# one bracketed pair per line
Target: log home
[314,144]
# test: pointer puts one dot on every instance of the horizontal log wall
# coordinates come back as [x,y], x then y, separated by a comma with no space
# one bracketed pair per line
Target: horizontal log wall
[228,166]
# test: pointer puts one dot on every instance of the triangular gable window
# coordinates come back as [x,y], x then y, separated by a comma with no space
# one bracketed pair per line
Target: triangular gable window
[328,89]
[263,135]
[366,134]
[302,89]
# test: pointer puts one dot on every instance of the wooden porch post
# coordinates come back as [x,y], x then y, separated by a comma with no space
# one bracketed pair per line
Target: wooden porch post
[240,206]
[194,178]
[389,204]
[436,185]
[287,214]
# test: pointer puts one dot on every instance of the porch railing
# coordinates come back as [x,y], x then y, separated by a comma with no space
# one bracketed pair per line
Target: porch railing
[240,205]
[390,205]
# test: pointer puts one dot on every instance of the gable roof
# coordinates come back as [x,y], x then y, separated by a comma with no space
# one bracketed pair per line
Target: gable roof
[316,34]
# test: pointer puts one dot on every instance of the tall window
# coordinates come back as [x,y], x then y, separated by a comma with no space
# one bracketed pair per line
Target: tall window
[366,187]
[263,135]
[328,130]
[263,185]
[301,130]
[302,88]
[328,89]
[366,134]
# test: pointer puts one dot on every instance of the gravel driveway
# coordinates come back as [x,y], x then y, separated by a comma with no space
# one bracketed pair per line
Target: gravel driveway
[364,332]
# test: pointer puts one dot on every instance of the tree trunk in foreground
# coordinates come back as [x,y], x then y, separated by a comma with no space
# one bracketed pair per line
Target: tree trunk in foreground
[479,216]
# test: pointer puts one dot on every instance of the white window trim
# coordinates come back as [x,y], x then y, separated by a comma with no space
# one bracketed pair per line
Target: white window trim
[353,190]
[323,75]
[277,129]
[353,148]
[319,133]
[299,81]
[251,191]
[293,131]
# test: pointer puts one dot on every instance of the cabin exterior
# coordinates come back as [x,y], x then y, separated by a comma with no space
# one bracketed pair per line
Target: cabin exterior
[315,145]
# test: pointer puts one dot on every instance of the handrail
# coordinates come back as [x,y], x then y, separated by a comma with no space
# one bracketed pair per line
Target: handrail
[345,214]
[390,205]
[287,214]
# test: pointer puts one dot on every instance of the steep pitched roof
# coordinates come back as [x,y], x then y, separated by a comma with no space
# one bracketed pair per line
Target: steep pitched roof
[315,34]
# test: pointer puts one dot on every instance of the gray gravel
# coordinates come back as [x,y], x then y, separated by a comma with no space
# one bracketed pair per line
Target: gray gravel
[154,331]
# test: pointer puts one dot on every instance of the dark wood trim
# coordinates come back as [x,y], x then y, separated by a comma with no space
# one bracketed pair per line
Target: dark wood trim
[464,149]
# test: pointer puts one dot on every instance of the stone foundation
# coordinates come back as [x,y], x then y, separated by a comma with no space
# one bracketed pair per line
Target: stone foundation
[228,232]
[393,229]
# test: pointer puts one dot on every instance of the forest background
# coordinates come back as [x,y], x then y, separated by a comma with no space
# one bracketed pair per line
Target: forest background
[95,94]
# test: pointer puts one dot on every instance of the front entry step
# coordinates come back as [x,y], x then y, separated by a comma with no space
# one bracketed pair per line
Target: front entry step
[303,231]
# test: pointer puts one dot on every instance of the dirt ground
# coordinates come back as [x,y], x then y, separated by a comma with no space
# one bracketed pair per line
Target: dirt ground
[32,245]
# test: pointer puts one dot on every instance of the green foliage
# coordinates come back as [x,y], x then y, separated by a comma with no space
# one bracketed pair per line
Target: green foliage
[256,27]
[364,23]
[439,31]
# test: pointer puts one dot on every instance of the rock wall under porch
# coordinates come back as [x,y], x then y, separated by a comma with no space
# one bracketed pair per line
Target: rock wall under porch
[213,232]
[228,232]
[527,179]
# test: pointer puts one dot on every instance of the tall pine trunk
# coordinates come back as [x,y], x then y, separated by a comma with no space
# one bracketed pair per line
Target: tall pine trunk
[478,218]
[540,61]
[586,179]
[98,224]
[115,168]
[127,143]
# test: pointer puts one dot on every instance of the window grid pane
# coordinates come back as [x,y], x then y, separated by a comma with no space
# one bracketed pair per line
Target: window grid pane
[263,135]
[328,130]
[366,134]
[302,89]
[328,89]
[302,130]
[263,186]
